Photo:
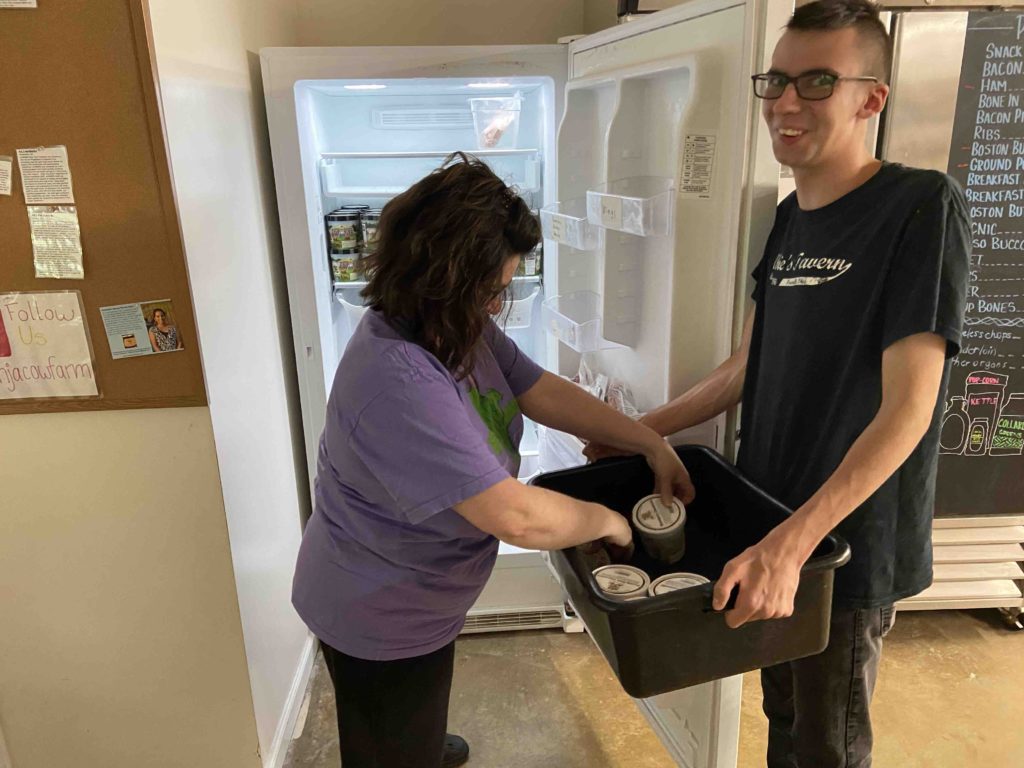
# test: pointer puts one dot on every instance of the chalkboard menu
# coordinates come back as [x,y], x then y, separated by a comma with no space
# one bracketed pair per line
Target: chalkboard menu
[981,468]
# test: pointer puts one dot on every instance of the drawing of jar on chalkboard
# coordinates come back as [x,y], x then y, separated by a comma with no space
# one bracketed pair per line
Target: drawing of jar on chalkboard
[1008,433]
[984,393]
[953,436]
[977,437]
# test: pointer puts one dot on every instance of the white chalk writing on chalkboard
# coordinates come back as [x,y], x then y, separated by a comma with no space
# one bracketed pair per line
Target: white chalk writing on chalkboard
[983,415]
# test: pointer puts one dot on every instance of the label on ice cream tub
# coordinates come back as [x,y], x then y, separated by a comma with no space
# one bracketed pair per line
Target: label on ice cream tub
[622,581]
[651,515]
[670,582]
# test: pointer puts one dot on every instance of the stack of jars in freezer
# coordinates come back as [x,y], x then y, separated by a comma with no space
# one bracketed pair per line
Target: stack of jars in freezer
[351,235]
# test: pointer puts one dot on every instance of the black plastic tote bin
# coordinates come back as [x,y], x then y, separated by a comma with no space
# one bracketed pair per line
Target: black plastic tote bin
[676,640]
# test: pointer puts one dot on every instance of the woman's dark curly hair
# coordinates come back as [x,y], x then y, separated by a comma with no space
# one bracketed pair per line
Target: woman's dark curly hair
[441,248]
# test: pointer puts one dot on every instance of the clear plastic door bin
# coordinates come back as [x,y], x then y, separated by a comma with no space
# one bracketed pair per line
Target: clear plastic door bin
[575,319]
[566,222]
[640,205]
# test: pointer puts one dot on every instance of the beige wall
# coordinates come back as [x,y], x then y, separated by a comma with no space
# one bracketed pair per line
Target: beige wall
[216,130]
[599,14]
[120,642]
[438,22]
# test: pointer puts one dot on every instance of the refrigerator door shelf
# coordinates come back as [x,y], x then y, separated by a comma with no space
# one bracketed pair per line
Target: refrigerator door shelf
[385,174]
[575,319]
[641,205]
[516,312]
[351,302]
[566,223]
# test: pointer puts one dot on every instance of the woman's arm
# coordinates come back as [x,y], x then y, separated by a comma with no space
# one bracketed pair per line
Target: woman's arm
[535,518]
[560,404]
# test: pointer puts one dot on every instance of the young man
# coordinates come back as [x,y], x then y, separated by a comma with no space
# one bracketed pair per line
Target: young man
[842,372]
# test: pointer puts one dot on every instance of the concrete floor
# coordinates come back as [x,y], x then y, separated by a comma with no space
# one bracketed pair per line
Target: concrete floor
[950,695]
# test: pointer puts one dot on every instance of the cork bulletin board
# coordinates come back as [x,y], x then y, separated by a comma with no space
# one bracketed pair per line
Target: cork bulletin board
[80,74]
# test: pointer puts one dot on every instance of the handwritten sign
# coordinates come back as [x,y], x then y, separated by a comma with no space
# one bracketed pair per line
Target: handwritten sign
[611,212]
[557,229]
[44,347]
[982,434]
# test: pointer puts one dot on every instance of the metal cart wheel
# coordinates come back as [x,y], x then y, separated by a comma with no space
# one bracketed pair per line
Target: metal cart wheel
[1014,618]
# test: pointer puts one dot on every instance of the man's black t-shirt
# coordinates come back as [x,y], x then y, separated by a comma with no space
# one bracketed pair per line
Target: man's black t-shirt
[835,288]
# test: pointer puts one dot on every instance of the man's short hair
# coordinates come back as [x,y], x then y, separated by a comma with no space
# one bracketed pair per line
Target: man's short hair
[861,15]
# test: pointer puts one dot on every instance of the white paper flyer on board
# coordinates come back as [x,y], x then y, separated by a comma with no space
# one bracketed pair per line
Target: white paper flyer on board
[46,176]
[5,174]
[56,241]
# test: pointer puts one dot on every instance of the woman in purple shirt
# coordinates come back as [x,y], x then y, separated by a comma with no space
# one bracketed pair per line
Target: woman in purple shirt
[416,475]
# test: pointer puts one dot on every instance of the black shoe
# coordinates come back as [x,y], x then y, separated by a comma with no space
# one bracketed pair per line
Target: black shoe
[456,751]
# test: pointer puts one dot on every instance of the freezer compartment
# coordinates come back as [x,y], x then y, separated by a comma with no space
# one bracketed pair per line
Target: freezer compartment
[566,223]
[575,319]
[676,640]
[640,205]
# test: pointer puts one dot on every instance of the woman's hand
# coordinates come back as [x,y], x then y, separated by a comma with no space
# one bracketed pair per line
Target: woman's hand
[618,542]
[670,476]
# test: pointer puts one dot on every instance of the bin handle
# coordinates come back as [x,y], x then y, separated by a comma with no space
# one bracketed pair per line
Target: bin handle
[709,596]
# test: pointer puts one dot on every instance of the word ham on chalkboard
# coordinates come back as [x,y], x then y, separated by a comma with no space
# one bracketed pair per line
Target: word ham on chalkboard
[981,442]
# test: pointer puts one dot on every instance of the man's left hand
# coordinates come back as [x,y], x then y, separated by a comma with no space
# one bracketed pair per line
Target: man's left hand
[767,574]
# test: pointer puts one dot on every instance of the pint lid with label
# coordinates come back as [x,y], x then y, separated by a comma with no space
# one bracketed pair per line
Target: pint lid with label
[621,580]
[651,514]
[670,582]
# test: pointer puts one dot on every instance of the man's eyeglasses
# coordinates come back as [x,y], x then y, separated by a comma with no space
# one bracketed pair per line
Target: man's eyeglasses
[811,86]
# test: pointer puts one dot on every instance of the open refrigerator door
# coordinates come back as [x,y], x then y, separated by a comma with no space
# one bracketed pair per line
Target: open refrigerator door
[666,192]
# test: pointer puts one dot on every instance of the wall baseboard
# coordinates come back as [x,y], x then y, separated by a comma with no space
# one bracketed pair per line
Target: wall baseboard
[286,725]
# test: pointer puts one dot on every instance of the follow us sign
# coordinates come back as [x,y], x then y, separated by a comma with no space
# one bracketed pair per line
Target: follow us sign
[44,347]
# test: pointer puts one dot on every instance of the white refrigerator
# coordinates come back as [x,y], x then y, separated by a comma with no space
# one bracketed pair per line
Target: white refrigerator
[642,149]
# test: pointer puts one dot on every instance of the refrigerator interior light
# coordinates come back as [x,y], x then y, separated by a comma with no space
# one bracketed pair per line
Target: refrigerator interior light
[488,85]
[365,87]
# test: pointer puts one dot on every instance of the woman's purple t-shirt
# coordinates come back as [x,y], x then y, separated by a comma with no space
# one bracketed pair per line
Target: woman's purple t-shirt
[387,569]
